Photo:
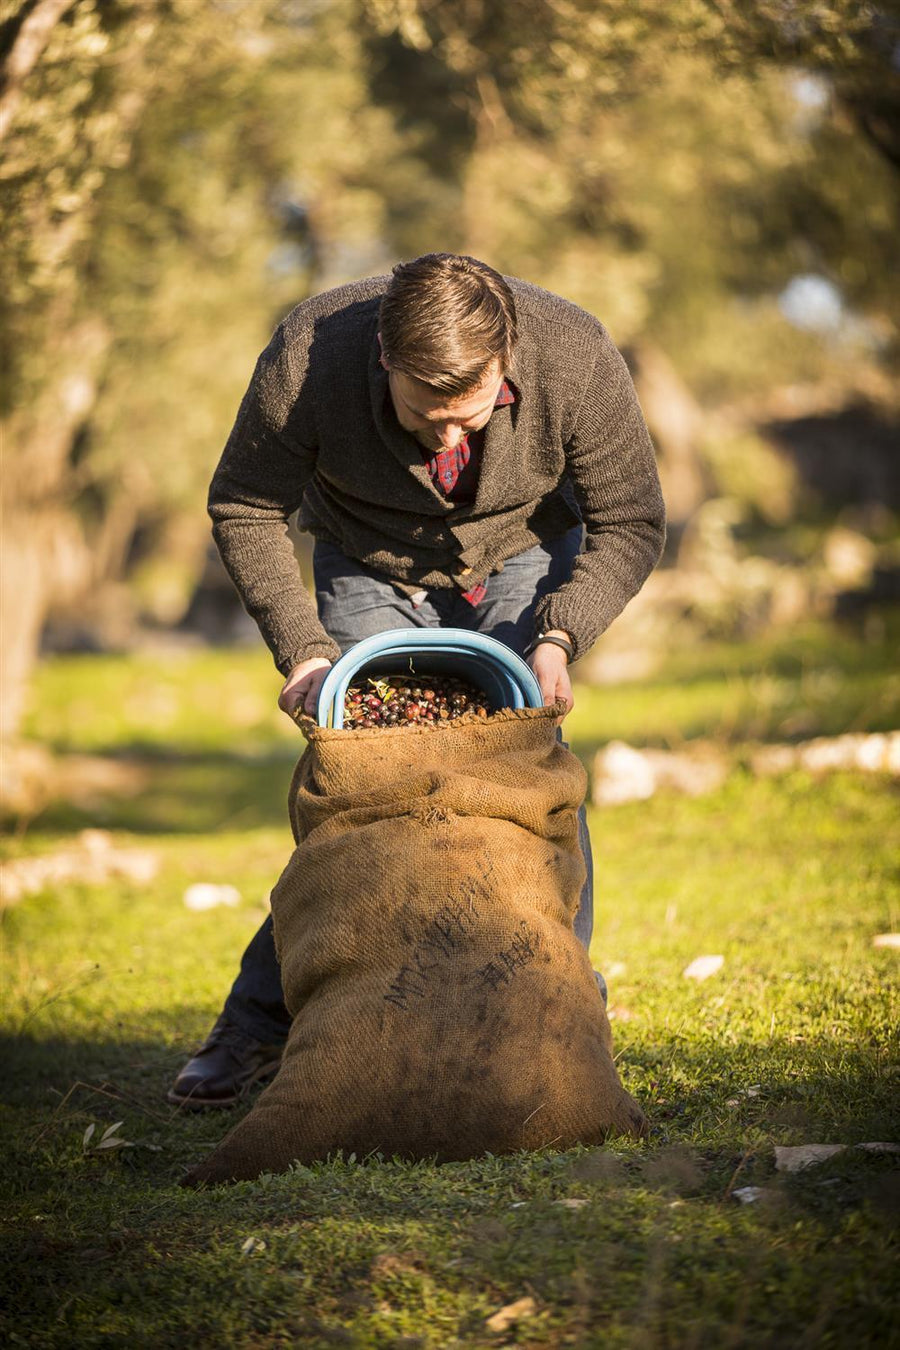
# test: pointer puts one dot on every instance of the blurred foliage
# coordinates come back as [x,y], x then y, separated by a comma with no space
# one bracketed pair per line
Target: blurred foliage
[658,163]
[177,174]
[160,158]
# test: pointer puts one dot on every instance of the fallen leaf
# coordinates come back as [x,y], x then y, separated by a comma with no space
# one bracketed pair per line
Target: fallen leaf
[252,1244]
[512,1313]
[702,967]
[571,1203]
[752,1091]
[886,940]
[804,1155]
[747,1194]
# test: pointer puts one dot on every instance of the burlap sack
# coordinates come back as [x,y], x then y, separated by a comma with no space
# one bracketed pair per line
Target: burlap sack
[442,1004]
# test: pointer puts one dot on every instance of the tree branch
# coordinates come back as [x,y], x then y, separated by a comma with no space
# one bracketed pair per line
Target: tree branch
[25,53]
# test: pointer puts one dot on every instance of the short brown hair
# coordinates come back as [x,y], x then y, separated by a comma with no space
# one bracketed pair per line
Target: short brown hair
[445,318]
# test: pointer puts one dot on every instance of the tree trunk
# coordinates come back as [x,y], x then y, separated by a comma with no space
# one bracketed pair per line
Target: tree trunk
[43,553]
[676,423]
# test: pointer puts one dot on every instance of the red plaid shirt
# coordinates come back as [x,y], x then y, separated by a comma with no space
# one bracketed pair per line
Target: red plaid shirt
[456,471]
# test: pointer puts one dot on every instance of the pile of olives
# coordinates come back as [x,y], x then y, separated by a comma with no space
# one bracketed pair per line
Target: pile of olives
[400,700]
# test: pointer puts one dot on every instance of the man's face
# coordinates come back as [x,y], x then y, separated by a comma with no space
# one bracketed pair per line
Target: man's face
[436,420]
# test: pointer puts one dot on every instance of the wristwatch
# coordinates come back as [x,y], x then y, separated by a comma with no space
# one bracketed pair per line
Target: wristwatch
[557,642]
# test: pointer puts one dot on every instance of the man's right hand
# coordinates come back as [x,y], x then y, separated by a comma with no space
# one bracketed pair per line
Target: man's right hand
[301,688]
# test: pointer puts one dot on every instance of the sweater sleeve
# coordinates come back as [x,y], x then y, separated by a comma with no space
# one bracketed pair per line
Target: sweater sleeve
[258,484]
[610,460]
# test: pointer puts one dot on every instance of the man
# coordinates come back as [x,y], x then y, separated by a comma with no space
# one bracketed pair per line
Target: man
[468,451]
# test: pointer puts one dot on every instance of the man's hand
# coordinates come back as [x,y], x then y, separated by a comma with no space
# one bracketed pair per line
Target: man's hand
[549,664]
[301,688]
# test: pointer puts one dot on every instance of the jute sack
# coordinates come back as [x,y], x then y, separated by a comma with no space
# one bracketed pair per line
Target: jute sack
[442,1004]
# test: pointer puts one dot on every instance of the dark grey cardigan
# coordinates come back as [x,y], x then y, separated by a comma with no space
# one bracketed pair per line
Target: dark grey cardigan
[316,430]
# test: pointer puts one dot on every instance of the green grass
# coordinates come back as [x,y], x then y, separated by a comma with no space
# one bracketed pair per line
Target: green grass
[105,988]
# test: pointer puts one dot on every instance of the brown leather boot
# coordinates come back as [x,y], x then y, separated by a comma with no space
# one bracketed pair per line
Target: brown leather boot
[227,1065]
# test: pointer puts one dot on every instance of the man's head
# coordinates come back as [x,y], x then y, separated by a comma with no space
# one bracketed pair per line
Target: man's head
[446,321]
[447,330]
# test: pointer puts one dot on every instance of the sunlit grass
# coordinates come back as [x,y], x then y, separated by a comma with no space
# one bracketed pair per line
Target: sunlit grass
[106,987]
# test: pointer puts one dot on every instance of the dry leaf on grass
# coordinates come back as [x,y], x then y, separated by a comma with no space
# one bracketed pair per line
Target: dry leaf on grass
[572,1203]
[109,1139]
[251,1245]
[747,1194]
[512,1313]
[702,967]
[753,1091]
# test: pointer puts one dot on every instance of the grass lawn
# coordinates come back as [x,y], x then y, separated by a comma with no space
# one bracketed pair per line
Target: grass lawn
[106,987]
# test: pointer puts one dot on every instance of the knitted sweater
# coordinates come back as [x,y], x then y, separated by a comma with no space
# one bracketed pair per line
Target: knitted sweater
[316,431]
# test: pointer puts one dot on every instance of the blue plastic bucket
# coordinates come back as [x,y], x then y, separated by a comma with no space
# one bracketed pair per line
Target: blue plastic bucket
[503,677]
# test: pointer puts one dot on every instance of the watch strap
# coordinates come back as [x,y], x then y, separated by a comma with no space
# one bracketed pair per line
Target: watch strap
[556,641]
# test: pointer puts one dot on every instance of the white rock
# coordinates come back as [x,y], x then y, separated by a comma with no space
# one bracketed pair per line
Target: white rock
[880,1147]
[892,755]
[804,1155]
[849,557]
[204,895]
[622,774]
[93,860]
[886,940]
[878,752]
[702,967]
[773,759]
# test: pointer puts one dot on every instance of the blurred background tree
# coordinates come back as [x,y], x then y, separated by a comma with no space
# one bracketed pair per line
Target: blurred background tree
[717,182]
[176,174]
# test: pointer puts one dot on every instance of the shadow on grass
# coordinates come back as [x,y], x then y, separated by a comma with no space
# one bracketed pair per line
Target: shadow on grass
[109,1235]
[181,794]
[709,1098]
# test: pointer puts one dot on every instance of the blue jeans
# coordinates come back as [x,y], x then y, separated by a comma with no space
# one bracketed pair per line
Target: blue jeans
[355,602]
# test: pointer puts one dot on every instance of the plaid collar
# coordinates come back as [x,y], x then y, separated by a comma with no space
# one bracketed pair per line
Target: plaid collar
[506,395]
[445,467]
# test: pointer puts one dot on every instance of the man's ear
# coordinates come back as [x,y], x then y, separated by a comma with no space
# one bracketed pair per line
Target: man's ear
[382,358]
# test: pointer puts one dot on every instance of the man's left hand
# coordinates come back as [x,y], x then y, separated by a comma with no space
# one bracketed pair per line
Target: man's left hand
[549,664]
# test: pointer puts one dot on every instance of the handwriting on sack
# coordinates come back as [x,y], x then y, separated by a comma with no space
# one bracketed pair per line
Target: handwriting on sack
[445,934]
[505,964]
